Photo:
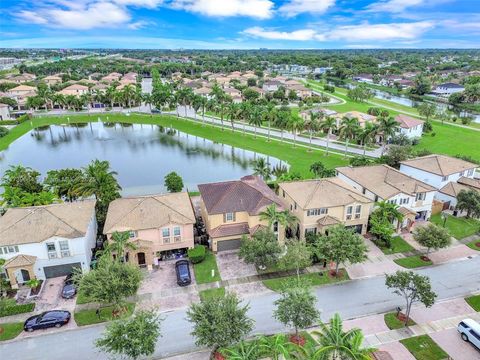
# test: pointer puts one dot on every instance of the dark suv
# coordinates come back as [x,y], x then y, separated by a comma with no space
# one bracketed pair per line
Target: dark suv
[48,319]
[182,269]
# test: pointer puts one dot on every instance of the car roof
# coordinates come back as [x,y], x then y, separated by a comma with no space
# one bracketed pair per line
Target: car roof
[472,324]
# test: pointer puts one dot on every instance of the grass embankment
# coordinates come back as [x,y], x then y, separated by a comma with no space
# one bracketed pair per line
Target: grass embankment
[474,302]
[393,323]
[475,245]
[314,279]
[10,331]
[88,317]
[424,348]
[203,270]
[398,246]
[458,227]
[212,293]
[299,158]
[412,262]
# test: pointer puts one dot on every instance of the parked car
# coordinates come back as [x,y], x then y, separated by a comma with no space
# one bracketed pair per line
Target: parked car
[48,319]
[69,289]
[182,269]
[470,331]
[156,111]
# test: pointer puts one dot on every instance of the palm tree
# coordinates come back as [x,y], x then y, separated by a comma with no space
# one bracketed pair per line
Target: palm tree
[389,127]
[272,215]
[282,121]
[148,100]
[312,125]
[294,124]
[262,168]
[244,350]
[349,128]
[110,94]
[277,346]
[246,109]
[255,118]
[203,104]
[99,181]
[367,135]
[329,125]
[119,244]
[270,115]
[389,211]
[197,102]
[333,343]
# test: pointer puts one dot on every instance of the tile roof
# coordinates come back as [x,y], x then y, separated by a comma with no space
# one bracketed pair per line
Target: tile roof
[474,183]
[384,180]
[20,260]
[439,164]
[249,194]
[408,122]
[229,230]
[37,223]
[148,212]
[328,220]
[452,189]
[318,193]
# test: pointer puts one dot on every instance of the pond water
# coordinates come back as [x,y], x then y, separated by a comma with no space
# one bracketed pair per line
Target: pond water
[141,154]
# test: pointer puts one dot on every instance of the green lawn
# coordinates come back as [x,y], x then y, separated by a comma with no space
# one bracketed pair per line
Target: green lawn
[314,279]
[299,158]
[212,293]
[10,330]
[424,348]
[393,323]
[474,302]
[203,270]
[88,317]
[82,299]
[412,262]
[459,227]
[398,246]
[473,245]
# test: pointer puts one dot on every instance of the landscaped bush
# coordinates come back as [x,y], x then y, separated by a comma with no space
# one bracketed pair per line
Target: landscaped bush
[9,307]
[3,131]
[197,254]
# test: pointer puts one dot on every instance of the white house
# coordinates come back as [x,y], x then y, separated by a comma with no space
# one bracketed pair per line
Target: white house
[4,112]
[410,127]
[438,170]
[271,85]
[448,89]
[365,78]
[47,241]
[448,193]
[384,183]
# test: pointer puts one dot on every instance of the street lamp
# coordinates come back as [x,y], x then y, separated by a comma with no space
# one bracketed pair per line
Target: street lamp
[444,217]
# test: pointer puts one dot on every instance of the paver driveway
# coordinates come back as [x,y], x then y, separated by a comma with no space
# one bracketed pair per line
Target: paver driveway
[441,310]
[50,298]
[450,341]
[368,324]
[397,351]
[231,266]
[452,253]
[162,278]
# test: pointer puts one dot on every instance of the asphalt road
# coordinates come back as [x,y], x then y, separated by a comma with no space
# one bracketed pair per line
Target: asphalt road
[351,299]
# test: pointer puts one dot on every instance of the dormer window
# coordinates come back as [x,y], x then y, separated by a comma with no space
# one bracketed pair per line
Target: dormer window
[229,216]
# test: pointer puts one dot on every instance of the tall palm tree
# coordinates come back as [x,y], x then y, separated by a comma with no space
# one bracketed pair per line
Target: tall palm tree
[329,125]
[277,346]
[349,128]
[197,102]
[148,100]
[255,118]
[281,121]
[270,115]
[100,181]
[203,104]
[312,125]
[367,135]
[261,167]
[246,109]
[119,244]
[110,94]
[271,215]
[389,211]
[333,343]
[294,124]
[389,127]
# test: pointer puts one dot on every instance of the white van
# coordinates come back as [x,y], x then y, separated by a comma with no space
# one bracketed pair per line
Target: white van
[470,331]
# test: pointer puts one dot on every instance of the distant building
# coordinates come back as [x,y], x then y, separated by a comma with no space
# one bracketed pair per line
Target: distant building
[4,112]
[410,127]
[365,78]
[448,89]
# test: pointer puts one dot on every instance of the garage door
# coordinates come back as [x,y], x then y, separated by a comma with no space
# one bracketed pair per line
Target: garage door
[226,245]
[60,270]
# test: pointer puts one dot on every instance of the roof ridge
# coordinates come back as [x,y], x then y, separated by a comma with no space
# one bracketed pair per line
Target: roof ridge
[63,221]
[19,220]
[168,206]
[128,212]
[231,183]
[317,185]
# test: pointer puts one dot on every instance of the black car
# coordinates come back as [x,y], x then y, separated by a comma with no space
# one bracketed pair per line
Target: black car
[182,269]
[69,289]
[48,319]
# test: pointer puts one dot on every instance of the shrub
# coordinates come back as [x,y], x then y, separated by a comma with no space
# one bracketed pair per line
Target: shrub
[3,131]
[197,254]
[14,309]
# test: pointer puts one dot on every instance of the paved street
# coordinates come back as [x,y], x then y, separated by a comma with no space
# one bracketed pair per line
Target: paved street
[351,299]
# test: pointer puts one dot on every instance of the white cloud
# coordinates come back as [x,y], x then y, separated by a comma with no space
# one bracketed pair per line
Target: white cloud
[138,25]
[394,6]
[299,35]
[295,7]
[261,9]
[151,4]
[32,17]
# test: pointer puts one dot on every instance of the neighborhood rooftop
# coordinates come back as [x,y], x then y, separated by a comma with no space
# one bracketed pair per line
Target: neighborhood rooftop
[407,122]
[439,164]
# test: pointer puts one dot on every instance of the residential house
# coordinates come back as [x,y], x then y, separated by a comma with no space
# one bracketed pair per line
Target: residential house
[22,78]
[75,90]
[52,80]
[410,127]
[4,112]
[47,241]
[438,170]
[301,91]
[21,93]
[448,89]
[322,203]
[305,114]
[384,183]
[114,76]
[448,193]
[231,209]
[271,85]
[365,78]
[158,225]
[361,117]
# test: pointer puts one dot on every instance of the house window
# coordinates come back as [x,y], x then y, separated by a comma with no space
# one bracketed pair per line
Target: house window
[364,191]
[176,234]
[463,172]
[229,216]
[404,201]
[420,196]
[275,226]
[295,206]
[310,231]
[470,172]
[316,212]
[445,178]
[132,234]
[9,250]
[376,198]
[52,251]
[166,235]
[291,207]
[64,249]
[349,212]
[358,211]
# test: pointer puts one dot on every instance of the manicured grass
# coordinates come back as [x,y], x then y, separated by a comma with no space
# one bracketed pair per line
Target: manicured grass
[10,330]
[424,348]
[474,302]
[398,246]
[473,245]
[203,270]
[412,262]
[314,279]
[393,323]
[459,227]
[299,158]
[212,293]
[88,317]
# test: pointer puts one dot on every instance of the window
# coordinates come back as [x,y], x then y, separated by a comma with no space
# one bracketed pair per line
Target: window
[275,226]
[64,249]
[310,231]
[166,235]
[376,198]
[404,201]
[462,173]
[364,191]
[176,234]
[420,196]
[295,206]
[445,178]
[229,216]
[349,212]
[52,251]
[316,212]
[9,250]
[291,207]
[394,201]
[358,211]
[132,234]
[470,172]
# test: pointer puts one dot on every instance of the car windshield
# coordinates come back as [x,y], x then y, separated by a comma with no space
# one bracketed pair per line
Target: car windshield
[183,271]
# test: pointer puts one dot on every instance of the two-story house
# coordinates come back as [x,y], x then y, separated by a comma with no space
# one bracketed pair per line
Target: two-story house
[410,127]
[47,241]
[75,90]
[321,203]
[157,224]
[231,209]
[438,170]
[384,183]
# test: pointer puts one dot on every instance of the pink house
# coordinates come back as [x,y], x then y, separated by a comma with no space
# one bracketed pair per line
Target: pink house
[159,225]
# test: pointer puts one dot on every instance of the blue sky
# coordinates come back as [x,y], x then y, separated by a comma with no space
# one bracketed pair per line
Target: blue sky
[240,24]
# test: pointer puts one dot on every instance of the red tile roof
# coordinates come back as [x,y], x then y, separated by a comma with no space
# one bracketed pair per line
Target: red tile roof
[230,230]
[407,122]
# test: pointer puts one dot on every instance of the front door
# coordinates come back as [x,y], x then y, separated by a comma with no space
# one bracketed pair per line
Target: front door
[141,259]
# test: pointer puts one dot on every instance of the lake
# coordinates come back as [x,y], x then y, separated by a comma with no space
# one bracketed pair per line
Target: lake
[141,154]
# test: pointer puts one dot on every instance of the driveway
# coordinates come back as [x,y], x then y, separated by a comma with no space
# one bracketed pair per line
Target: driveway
[162,278]
[397,351]
[450,341]
[371,269]
[452,253]
[368,324]
[441,310]
[231,266]
[50,298]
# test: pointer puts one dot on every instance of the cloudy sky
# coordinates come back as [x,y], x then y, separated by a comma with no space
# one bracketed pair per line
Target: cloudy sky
[241,24]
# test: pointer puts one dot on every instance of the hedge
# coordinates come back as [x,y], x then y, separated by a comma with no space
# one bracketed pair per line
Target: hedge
[197,254]
[16,309]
